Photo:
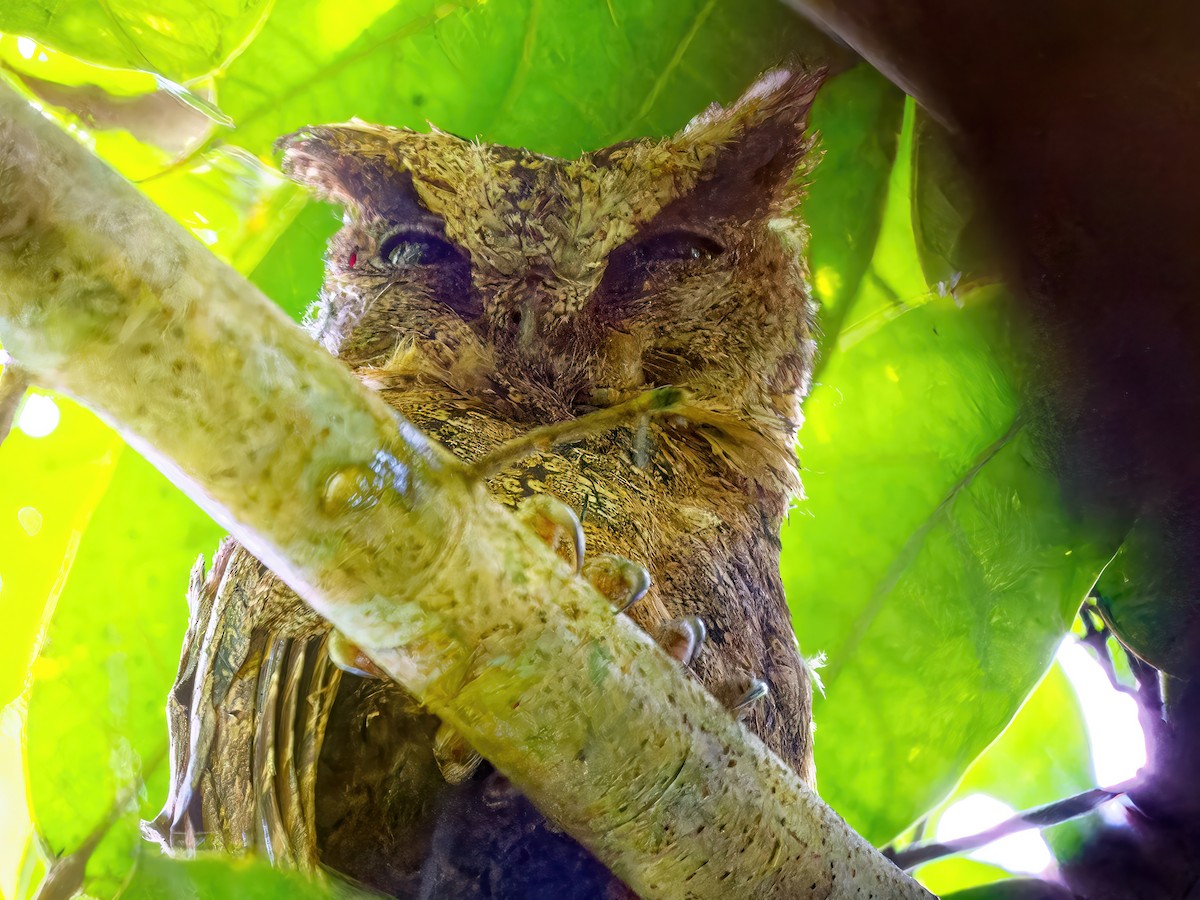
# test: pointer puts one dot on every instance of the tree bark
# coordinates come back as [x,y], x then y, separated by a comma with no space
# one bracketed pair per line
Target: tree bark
[384,533]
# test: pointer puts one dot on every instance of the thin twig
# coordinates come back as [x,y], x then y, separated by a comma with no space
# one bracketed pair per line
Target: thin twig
[1096,635]
[657,402]
[1147,692]
[1038,817]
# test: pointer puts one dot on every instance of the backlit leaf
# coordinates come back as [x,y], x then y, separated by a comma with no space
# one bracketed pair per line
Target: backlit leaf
[180,39]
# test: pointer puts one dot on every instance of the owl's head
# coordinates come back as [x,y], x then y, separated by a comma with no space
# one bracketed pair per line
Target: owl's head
[540,288]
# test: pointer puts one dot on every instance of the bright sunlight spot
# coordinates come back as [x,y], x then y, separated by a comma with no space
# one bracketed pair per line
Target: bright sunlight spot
[26,47]
[1118,744]
[1024,851]
[30,520]
[39,416]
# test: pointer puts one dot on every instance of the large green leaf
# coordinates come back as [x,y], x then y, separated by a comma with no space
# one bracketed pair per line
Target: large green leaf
[932,561]
[1042,756]
[1148,594]
[558,78]
[97,713]
[856,119]
[180,39]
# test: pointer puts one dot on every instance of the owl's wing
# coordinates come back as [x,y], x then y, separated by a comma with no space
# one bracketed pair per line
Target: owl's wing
[254,698]
[246,716]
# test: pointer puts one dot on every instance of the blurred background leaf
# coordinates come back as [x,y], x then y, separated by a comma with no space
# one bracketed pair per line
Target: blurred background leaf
[179,39]
[96,725]
[217,878]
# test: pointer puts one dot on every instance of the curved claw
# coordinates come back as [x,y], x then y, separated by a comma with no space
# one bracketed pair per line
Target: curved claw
[349,657]
[622,581]
[553,520]
[456,759]
[756,689]
[683,638]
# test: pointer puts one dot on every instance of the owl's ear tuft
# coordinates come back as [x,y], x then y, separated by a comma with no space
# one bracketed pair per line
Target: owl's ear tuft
[340,163]
[756,144]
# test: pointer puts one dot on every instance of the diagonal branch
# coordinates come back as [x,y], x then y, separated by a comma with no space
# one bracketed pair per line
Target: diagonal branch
[103,297]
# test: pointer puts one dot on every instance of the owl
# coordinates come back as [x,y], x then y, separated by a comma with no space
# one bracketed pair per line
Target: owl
[519,309]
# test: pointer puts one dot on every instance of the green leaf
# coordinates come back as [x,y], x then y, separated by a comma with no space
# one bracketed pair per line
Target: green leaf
[292,270]
[558,78]
[220,877]
[932,560]
[96,722]
[1147,594]
[231,202]
[179,39]
[856,119]
[49,487]
[959,873]
[1042,756]
[952,239]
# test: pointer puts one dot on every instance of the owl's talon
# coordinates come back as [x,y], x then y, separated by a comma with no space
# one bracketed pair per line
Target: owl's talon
[682,639]
[622,581]
[350,658]
[456,759]
[553,520]
[756,689]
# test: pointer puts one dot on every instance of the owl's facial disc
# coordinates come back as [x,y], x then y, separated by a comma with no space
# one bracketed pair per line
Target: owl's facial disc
[544,286]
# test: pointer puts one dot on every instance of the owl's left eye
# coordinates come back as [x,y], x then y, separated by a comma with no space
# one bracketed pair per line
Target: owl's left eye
[407,249]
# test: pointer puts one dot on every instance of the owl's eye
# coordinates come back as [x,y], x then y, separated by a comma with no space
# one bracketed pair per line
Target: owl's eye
[632,265]
[443,269]
[408,249]
[676,246]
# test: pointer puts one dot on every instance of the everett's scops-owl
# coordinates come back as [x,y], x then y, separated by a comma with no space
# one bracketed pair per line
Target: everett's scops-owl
[485,291]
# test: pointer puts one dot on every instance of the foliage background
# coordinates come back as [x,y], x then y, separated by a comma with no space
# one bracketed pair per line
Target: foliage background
[931,563]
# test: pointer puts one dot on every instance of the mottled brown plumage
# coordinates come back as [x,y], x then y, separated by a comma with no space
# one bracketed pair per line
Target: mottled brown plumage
[485,291]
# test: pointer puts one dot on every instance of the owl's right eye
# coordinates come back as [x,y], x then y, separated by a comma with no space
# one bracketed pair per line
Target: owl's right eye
[407,249]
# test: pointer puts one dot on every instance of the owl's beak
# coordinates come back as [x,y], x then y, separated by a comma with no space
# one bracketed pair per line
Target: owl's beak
[526,318]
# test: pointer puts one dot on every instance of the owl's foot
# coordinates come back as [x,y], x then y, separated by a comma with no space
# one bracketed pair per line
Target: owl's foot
[457,760]
[622,581]
[350,658]
[682,639]
[553,521]
[754,690]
